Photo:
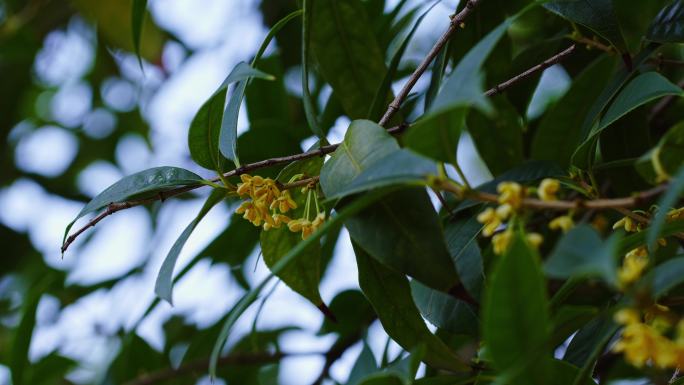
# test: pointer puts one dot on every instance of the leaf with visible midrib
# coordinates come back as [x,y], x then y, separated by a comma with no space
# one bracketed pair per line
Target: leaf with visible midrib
[668,25]
[390,294]
[204,132]
[141,184]
[348,53]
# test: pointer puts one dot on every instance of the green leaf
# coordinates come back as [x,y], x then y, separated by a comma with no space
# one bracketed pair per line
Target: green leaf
[515,314]
[164,284]
[461,238]
[568,319]
[581,252]
[506,125]
[353,313]
[666,202]
[402,230]
[249,298]
[665,277]
[364,366]
[565,373]
[364,144]
[559,131]
[641,90]
[137,19]
[588,343]
[668,25]
[140,185]
[401,167]
[390,295]
[348,53]
[633,241]
[444,311]
[597,15]
[203,135]
[668,155]
[304,274]
[437,136]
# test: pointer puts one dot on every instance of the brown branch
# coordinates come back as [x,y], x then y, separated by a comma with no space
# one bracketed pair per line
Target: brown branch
[562,205]
[396,130]
[593,43]
[201,365]
[501,87]
[455,23]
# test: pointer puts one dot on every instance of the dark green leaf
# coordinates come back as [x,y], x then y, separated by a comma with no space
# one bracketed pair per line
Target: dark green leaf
[164,284]
[668,25]
[515,313]
[665,277]
[390,295]
[139,185]
[666,202]
[506,125]
[353,313]
[364,366]
[444,311]
[568,319]
[203,135]
[633,241]
[307,100]
[401,167]
[437,136]
[559,131]
[581,252]
[137,19]
[589,342]
[461,238]
[667,156]
[348,53]
[597,15]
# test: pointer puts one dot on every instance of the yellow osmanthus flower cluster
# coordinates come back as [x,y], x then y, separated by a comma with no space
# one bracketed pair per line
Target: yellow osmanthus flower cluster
[510,200]
[646,342]
[268,204]
[633,266]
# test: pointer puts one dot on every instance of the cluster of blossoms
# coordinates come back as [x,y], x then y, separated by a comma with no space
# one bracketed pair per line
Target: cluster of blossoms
[636,260]
[656,338]
[268,204]
[510,199]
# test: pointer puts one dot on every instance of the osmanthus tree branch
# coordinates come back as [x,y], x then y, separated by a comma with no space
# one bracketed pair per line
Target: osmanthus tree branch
[200,365]
[454,24]
[322,151]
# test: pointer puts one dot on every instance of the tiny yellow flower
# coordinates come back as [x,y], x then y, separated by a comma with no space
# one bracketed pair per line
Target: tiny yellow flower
[632,268]
[296,225]
[628,223]
[510,193]
[501,241]
[284,202]
[627,316]
[564,223]
[491,220]
[675,214]
[534,239]
[504,211]
[547,189]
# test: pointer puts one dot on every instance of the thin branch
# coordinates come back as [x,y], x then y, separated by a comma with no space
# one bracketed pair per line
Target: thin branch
[396,130]
[499,88]
[455,23]
[201,365]
[636,199]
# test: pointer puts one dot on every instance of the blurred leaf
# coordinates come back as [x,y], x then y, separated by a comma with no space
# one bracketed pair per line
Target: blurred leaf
[348,53]
[664,277]
[566,374]
[559,131]
[304,274]
[506,125]
[588,342]
[444,311]
[364,366]
[203,135]
[461,238]
[353,313]
[568,319]
[437,137]
[401,167]
[138,186]
[268,375]
[597,15]
[390,295]
[307,99]
[668,25]
[581,252]
[115,20]
[666,202]
[515,313]
[668,155]
[635,17]
[164,284]
[635,240]
[137,19]
[436,75]
[50,370]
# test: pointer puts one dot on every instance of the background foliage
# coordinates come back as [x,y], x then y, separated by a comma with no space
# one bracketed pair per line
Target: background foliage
[587,93]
